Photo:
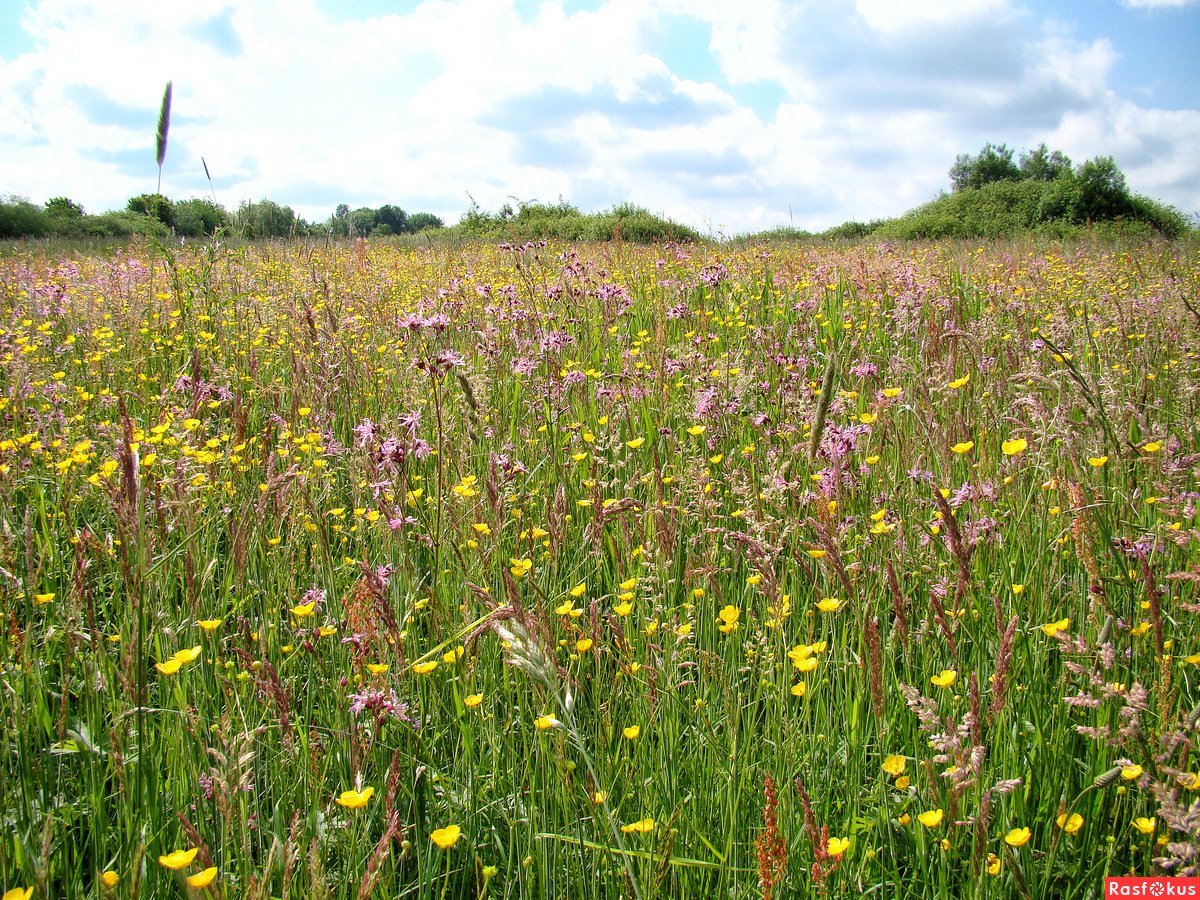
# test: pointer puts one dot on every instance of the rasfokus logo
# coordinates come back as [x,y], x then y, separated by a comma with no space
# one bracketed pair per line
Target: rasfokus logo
[1160,886]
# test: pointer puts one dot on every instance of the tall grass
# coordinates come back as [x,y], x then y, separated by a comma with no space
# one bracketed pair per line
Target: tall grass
[598,571]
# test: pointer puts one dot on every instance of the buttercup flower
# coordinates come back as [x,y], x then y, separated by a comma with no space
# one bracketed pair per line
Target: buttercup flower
[178,859]
[446,837]
[355,799]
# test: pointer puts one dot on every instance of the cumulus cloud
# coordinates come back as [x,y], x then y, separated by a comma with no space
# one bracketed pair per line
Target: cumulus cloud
[738,116]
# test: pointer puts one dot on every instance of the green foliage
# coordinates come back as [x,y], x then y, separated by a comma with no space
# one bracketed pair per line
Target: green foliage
[63,208]
[563,221]
[156,206]
[1043,165]
[199,217]
[994,163]
[19,218]
[266,219]
[386,220]
[1102,193]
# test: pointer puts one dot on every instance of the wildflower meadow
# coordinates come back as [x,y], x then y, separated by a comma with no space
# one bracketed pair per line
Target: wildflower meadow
[601,570]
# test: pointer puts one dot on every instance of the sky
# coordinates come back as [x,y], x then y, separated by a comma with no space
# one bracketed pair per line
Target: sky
[727,116]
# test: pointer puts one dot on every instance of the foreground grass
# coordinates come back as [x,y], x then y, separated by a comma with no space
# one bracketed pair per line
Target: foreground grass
[598,571]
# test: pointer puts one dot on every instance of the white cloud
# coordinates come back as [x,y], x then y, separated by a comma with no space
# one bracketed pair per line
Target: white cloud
[287,102]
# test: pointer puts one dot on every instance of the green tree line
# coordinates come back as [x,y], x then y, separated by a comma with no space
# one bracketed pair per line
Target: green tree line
[158,216]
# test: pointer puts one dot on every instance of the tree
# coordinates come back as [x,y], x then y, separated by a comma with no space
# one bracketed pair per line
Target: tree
[994,163]
[197,217]
[422,220]
[362,221]
[1103,193]
[1043,165]
[156,206]
[63,208]
[266,219]
[19,218]
[391,218]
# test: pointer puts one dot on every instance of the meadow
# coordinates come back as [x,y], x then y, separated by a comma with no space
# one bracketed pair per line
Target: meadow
[598,570]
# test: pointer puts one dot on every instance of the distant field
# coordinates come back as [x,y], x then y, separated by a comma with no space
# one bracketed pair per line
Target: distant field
[599,570]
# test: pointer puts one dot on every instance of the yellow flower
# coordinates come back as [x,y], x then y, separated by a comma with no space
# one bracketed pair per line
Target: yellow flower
[203,879]
[623,609]
[1190,781]
[904,819]
[1144,825]
[482,528]
[424,668]
[579,590]
[804,663]
[960,382]
[632,732]
[210,625]
[639,827]
[1014,446]
[109,878]
[583,645]
[542,723]
[355,799]
[178,859]
[304,610]
[1131,773]
[946,678]
[902,783]
[1152,447]
[892,392]
[894,765]
[993,864]
[799,689]
[1070,824]
[816,554]
[188,656]
[628,584]
[1097,462]
[696,430]
[472,700]
[931,818]
[520,567]
[1050,629]
[446,837]
[635,443]
[727,619]
[600,797]
[963,447]
[377,668]
[828,604]
[42,599]
[170,667]
[567,608]
[837,846]
[18,894]
[1018,837]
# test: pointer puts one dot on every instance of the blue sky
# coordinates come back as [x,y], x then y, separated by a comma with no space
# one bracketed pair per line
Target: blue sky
[728,116]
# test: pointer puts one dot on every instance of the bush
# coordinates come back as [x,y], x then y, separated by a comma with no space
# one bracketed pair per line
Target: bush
[19,218]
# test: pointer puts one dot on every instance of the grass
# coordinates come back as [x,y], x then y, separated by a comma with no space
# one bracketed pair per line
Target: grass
[598,570]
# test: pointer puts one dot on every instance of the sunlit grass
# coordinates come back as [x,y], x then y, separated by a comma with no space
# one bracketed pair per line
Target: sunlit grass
[578,571]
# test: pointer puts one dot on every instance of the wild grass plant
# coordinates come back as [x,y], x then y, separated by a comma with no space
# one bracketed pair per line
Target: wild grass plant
[598,571]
